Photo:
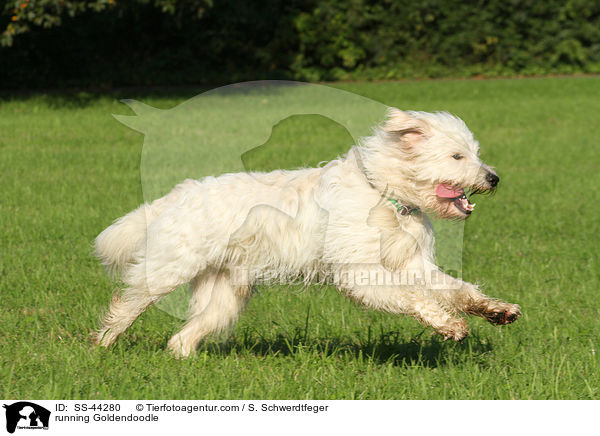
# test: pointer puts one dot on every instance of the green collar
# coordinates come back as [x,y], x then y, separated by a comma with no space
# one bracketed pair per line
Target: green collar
[403,209]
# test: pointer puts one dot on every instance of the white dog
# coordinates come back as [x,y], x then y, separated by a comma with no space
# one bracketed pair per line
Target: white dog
[363,211]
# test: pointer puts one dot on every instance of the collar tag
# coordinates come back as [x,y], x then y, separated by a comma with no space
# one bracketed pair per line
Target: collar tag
[402,208]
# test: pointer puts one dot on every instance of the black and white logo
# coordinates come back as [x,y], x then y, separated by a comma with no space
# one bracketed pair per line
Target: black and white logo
[26,415]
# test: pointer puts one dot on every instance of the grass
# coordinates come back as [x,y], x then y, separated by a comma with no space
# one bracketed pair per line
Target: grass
[68,169]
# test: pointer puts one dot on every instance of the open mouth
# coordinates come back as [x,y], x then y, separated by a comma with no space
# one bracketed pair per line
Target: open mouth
[457,196]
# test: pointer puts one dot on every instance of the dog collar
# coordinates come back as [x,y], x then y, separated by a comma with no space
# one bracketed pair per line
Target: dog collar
[402,208]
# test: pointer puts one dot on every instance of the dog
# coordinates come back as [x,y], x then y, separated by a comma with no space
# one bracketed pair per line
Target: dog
[363,211]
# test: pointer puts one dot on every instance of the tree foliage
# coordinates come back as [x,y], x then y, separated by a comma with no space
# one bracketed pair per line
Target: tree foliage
[339,38]
[25,14]
[174,42]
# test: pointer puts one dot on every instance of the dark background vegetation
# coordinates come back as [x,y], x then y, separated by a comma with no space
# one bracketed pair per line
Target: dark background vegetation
[109,43]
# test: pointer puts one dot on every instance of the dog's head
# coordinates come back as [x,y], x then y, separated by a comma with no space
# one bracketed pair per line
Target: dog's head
[428,160]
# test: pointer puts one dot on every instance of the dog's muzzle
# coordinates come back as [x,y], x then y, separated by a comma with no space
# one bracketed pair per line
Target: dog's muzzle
[455,195]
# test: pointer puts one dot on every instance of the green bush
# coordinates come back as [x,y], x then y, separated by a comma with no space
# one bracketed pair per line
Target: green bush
[373,39]
[22,15]
[175,42]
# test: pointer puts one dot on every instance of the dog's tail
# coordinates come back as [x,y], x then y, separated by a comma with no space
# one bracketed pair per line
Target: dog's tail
[116,245]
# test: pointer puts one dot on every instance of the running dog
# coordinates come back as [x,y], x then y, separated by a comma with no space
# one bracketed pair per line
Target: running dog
[365,211]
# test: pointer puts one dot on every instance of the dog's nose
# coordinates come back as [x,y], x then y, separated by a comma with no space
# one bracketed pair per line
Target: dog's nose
[493,179]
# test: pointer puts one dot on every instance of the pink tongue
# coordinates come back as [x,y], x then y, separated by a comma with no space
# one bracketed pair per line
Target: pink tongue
[446,191]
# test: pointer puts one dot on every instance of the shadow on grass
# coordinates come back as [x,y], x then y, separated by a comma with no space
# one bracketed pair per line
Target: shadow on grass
[76,98]
[386,348]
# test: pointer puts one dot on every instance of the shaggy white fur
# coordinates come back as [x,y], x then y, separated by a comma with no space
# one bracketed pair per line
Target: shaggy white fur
[357,222]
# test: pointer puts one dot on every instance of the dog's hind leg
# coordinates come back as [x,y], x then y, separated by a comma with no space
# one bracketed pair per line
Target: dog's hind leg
[216,304]
[123,311]
[146,286]
[202,287]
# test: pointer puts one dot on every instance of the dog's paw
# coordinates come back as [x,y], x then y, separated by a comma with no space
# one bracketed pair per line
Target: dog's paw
[103,338]
[179,348]
[505,313]
[457,330]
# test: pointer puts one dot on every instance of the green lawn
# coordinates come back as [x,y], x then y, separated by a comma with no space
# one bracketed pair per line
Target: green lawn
[68,169]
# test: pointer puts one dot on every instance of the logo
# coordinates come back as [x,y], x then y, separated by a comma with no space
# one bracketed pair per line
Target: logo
[26,415]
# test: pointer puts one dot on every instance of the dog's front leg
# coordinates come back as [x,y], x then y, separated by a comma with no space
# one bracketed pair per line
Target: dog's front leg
[494,310]
[467,298]
[378,289]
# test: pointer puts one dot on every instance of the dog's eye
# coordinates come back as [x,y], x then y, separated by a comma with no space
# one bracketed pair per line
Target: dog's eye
[458,156]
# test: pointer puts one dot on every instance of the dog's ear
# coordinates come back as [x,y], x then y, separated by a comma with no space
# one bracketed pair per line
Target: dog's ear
[396,117]
[410,137]
[407,128]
